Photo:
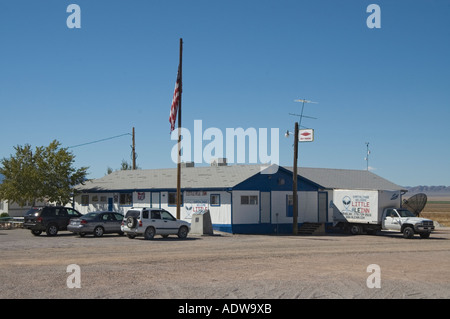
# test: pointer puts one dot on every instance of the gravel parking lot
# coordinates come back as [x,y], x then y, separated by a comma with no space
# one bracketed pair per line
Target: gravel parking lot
[224,266]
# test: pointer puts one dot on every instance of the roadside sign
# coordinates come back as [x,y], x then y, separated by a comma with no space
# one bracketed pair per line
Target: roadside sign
[306,135]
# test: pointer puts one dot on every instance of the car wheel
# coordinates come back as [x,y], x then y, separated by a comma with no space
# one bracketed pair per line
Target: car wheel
[355,230]
[52,230]
[36,232]
[183,232]
[408,232]
[131,222]
[98,231]
[149,233]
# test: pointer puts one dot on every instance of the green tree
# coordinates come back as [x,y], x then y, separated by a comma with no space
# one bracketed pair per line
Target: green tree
[48,174]
[124,166]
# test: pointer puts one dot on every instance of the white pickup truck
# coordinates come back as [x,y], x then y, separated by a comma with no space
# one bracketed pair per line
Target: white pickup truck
[398,219]
[370,211]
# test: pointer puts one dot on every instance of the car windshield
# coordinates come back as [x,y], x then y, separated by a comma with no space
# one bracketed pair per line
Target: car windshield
[91,215]
[405,213]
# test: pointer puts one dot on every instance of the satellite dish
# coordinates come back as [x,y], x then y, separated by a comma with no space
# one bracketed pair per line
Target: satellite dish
[415,203]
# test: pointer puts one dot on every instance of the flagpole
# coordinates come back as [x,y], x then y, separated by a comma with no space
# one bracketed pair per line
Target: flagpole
[179,134]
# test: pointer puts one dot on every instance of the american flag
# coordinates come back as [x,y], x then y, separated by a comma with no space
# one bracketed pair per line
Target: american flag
[175,101]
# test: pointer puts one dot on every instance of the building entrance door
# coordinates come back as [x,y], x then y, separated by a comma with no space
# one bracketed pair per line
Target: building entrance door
[323,207]
[155,200]
[265,208]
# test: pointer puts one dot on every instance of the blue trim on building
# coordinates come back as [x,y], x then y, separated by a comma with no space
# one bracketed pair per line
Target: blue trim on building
[223,227]
[279,181]
[265,229]
[207,189]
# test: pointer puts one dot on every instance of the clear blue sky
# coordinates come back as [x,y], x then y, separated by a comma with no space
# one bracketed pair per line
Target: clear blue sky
[244,64]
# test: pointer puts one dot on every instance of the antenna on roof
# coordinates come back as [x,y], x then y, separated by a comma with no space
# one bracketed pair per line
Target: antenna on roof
[367,156]
[301,116]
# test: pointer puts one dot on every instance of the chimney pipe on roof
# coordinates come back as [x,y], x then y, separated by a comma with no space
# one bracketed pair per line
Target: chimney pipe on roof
[219,161]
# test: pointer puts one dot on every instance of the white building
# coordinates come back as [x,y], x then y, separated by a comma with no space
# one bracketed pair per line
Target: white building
[241,198]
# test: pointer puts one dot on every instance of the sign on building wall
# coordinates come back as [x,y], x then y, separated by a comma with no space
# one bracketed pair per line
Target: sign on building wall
[194,202]
[141,196]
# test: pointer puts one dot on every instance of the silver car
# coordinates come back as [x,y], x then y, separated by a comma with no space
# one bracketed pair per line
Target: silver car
[97,223]
[149,222]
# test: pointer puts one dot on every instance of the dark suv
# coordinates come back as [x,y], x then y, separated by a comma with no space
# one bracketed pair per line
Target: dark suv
[50,219]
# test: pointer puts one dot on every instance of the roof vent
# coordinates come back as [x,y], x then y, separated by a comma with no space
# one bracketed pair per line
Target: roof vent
[219,161]
[187,164]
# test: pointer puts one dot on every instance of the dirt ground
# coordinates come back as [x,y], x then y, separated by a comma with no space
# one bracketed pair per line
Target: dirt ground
[225,266]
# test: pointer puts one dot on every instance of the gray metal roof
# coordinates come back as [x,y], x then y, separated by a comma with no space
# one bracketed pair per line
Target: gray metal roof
[224,177]
[346,179]
[191,177]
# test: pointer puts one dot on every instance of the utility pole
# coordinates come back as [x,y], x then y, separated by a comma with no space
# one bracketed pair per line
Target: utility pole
[294,185]
[134,151]
[295,175]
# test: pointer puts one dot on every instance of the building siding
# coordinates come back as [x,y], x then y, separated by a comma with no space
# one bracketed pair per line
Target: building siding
[264,209]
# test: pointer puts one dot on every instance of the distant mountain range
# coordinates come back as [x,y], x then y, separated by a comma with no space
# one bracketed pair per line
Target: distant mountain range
[429,190]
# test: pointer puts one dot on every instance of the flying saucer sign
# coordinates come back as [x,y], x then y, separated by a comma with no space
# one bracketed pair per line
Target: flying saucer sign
[306,135]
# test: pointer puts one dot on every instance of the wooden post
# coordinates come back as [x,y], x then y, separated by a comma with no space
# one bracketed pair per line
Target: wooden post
[294,185]
[134,151]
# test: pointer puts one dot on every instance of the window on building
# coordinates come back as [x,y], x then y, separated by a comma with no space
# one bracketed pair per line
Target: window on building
[214,200]
[290,200]
[84,200]
[173,199]
[249,200]
[126,199]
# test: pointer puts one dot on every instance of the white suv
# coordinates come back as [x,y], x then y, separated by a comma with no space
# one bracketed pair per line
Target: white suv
[153,221]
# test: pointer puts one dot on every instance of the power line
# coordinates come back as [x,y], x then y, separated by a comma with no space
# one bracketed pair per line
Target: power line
[98,141]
